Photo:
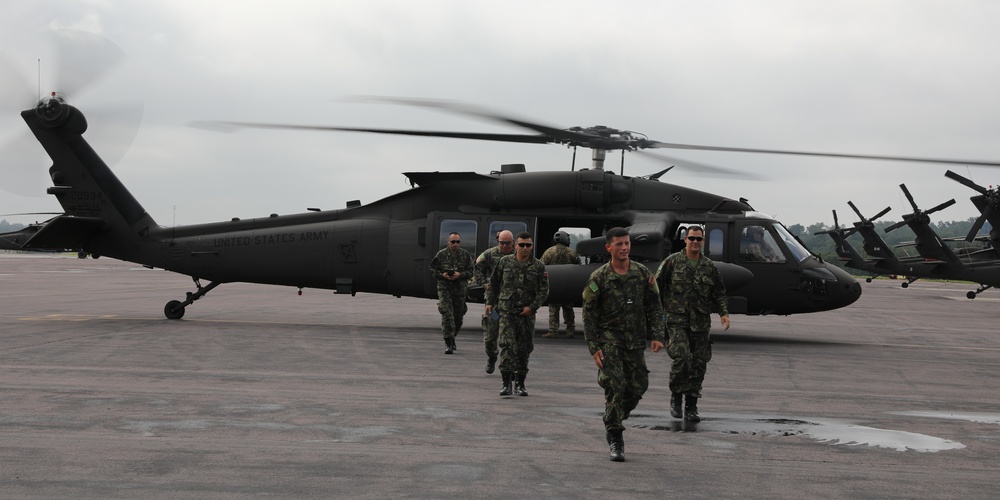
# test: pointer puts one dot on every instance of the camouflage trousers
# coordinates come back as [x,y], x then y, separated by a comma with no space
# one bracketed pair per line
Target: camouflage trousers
[516,342]
[491,333]
[568,315]
[625,379]
[690,353]
[451,305]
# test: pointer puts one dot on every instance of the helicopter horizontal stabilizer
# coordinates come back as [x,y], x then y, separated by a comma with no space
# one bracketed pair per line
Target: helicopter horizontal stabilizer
[65,231]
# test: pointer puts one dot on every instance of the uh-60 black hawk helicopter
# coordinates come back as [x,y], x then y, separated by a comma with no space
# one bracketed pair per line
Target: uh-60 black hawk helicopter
[935,258]
[385,247]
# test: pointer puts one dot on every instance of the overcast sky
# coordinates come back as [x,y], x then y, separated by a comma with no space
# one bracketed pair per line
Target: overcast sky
[908,77]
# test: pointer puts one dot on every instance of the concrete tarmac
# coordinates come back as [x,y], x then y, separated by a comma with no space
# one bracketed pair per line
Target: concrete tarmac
[261,392]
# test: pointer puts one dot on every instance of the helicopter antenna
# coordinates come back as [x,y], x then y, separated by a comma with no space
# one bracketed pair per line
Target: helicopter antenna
[572,166]
[39,78]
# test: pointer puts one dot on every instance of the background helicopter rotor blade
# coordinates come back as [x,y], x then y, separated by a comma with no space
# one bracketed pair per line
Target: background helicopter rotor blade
[880,214]
[965,182]
[862,217]
[909,197]
[976,226]
[896,226]
[940,207]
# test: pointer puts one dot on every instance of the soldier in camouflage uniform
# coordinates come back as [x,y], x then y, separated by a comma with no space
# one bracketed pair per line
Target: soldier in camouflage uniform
[485,264]
[518,288]
[621,308]
[452,267]
[560,253]
[691,289]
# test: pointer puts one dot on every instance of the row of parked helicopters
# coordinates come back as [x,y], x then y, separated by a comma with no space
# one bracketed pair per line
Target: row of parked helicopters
[385,247]
[935,258]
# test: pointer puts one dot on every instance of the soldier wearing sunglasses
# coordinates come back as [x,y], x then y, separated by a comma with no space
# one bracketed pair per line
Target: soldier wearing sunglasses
[518,288]
[691,289]
[452,266]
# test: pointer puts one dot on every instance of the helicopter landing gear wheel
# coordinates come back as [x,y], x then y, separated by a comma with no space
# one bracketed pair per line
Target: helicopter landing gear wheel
[174,309]
[971,295]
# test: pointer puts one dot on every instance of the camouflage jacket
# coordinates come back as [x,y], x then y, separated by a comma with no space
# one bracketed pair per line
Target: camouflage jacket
[460,261]
[515,284]
[560,254]
[621,310]
[487,262]
[690,294]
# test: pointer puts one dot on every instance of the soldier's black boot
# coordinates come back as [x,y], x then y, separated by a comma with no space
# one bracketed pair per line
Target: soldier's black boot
[448,349]
[675,404]
[491,364]
[506,389]
[691,409]
[616,443]
[519,385]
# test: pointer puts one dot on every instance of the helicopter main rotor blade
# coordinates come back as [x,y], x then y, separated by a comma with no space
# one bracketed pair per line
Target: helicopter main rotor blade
[965,182]
[526,138]
[658,144]
[556,134]
[700,168]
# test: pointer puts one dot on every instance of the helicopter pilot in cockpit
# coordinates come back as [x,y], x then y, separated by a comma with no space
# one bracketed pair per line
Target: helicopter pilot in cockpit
[755,247]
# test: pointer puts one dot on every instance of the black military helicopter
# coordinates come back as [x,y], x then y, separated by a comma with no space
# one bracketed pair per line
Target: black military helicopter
[385,246]
[935,257]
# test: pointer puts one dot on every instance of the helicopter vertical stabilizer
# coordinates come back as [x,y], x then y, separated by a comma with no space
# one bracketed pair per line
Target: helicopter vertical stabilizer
[94,200]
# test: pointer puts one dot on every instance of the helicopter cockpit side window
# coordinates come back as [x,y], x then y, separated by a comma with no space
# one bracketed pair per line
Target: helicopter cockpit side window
[466,228]
[758,245]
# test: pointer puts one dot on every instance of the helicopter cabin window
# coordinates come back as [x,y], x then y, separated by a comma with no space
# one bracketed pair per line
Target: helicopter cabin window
[499,225]
[715,244]
[465,228]
[758,245]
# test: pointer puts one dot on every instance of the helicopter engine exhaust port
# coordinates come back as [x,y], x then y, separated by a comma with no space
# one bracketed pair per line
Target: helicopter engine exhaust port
[175,308]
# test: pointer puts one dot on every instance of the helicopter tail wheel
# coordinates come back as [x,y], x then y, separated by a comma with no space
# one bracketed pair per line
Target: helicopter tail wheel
[905,284]
[174,309]
[971,295]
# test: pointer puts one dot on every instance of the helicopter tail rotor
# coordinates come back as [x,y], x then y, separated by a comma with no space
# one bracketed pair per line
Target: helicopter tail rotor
[82,60]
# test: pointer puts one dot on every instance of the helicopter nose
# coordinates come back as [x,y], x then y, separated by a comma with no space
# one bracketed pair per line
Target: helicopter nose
[847,290]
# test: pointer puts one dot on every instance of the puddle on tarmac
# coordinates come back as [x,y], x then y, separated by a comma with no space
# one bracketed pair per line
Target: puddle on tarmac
[823,430]
[985,418]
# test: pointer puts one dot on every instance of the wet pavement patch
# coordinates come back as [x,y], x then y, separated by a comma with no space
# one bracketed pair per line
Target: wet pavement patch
[822,430]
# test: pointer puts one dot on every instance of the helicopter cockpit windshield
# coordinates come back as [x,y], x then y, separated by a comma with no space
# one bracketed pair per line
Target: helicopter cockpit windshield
[798,251]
